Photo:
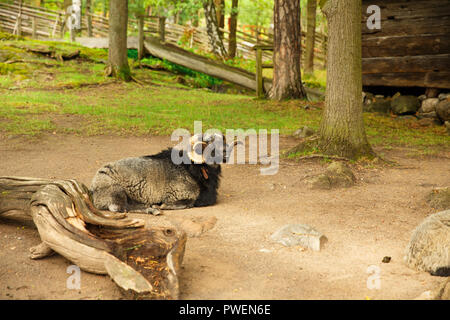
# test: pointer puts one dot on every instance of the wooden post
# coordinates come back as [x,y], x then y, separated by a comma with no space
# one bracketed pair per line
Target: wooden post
[72,34]
[259,74]
[89,24]
[162,29]
[140,37]
[55,25]
[33,27]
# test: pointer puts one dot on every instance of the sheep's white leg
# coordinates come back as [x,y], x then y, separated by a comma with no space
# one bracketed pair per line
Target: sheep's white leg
[144,209]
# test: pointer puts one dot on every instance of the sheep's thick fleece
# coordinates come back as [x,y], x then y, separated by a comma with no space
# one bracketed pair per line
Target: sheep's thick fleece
[129,183]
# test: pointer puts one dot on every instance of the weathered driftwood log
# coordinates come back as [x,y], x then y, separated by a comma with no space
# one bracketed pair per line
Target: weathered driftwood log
[143,262]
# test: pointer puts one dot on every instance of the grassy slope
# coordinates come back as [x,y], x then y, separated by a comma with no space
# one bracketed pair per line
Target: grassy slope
[34,96]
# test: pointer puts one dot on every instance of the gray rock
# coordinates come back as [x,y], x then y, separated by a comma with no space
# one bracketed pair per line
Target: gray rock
[299,235]
[443,110]
[303,132]
[422,97]
[368,98]
[402,105]
[397,94]
[429,105]
[443,96]
[321,181]
[337,175]
[431,115]
[378,105]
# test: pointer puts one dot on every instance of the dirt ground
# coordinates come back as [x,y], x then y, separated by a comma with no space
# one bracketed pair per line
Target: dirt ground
[363,224]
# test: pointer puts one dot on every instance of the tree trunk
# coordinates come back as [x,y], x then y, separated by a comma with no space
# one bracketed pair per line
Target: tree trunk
[287,80]
[213,30]
[232,44]
[105,8]
[342,128]
[89,17]
[310,36]
[117,55]
[143,261]
[220,13]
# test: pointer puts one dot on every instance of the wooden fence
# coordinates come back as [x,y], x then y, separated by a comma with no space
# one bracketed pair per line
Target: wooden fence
[45,23]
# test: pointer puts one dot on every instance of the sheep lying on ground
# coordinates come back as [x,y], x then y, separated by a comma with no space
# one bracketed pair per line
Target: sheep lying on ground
[429,248]
[147,184]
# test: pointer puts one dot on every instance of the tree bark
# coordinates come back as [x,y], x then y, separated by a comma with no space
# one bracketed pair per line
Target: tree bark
[89,17]
[342,128]
[213,30]
[310,36]
[220,13]
[287,80]
[117,55]
[232,43]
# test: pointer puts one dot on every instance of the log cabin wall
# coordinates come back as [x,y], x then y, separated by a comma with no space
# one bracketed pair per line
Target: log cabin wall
[412,48]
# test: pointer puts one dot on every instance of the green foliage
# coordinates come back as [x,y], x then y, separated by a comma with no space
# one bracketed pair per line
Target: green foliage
[256,13]
[200,80]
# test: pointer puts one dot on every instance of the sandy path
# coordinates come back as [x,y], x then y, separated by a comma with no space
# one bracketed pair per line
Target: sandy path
[363,224]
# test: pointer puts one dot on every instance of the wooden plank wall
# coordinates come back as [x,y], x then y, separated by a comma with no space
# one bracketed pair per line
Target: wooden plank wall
[412,48]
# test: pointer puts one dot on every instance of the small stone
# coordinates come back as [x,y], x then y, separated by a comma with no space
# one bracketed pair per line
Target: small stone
[397,94]
[299,235]
[429,105]
[443,110]
[447,125]
[319,182]
[403,105]
[378,105]
[340,175]
[303,132]
[443,96]
[422,97]
[386,259]
[431,115]
[337,175]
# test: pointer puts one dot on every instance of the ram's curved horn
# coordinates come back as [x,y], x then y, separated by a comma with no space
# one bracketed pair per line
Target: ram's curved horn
[193,153]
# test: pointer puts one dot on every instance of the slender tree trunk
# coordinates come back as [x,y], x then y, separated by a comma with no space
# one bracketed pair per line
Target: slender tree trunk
[105,7]
[232,44]
[213,30]
[310,36]
[287,79]
[117,56]
[220,13]
[342,128]
[89,17]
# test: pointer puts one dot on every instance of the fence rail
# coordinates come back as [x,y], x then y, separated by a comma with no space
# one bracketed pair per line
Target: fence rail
[45,23]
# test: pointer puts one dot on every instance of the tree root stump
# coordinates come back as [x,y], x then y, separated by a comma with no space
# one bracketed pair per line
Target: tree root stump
[143,261]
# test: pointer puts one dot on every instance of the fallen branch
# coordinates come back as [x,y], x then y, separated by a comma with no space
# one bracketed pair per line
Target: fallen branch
[144,262]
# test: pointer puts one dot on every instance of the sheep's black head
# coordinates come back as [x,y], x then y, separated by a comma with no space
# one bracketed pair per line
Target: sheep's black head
[211,149]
